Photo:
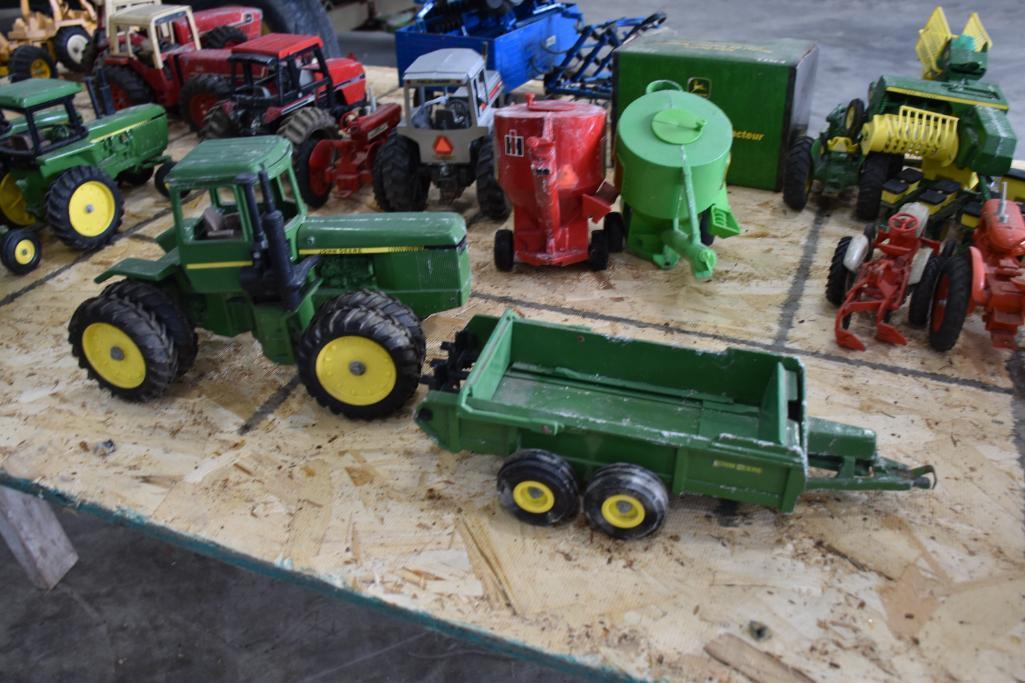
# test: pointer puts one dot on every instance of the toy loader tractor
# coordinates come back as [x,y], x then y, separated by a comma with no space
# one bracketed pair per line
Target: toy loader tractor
[340,297]
[37,40]
[445,137]
[952,121]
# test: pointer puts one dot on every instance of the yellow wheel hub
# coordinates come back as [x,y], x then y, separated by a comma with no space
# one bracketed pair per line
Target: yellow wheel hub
[113,355]
[356,370]
[24,252]
[622,511]
[91,208]
[533,497]
[12,202]
[39,69]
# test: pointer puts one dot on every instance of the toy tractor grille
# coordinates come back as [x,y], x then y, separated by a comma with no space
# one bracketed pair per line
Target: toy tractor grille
[913,131]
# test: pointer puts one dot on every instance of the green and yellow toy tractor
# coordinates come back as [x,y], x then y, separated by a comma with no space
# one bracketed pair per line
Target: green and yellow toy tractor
[952,121]
[57,169]
[340,297]
[38,40]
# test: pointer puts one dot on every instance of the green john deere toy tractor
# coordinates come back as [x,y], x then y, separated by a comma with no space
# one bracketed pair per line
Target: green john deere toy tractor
[57,169]
[951,120]
[341,297]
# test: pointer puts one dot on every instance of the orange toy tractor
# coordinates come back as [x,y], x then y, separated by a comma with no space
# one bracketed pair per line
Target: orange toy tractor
[37,40]
[990,276]
[859,283]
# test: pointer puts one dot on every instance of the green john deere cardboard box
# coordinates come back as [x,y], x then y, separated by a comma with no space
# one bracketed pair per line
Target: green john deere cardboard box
[765,89]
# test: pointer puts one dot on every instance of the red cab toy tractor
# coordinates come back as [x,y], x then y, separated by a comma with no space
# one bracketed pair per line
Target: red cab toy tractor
[991,277]
[153,52]
[281,83]
[859,283]
[551,165]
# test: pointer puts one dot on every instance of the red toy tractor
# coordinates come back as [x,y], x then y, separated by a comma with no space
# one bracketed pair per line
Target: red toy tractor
[346,163]
[990,276]
[859,283]
[551,165]
[153,53]
[282,84]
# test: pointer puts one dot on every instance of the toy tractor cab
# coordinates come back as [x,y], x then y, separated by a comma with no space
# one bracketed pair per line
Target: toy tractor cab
[38,40]
[445,136]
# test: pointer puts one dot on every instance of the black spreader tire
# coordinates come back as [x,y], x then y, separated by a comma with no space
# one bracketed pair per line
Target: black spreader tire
[921,296]
[70,44]
[160,179]
[220,37]
[130,84]
[797,174]
[386,305]
[505,250]
[945,327]
[615,231]
[58,214]
[217,125]
[874,172]
[135,176]
[21,250]
[19,65]
[164,310]
[638,483]
[705,228]
[838,279]
[369,324]
[598,251]
[149,336]
[550,470]
[397,174]
[490,195]
[210,86]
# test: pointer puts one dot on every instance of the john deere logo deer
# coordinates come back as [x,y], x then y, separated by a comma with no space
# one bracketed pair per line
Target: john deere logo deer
[699,86]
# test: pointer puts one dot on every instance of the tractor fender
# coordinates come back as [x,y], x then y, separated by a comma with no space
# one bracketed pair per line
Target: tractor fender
[980,295]
[205,61]
[918,265]
[856,252]
[144,270]
[349,76]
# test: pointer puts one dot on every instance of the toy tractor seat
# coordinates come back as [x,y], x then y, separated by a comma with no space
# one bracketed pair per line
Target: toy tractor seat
[214,225]
[21,142]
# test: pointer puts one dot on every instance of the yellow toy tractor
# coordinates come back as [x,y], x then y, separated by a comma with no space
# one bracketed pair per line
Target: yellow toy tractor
[37,41]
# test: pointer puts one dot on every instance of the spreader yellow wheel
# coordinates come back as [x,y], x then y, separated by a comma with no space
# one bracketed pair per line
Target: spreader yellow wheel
[358,361]
[622,511]
[20,251]
[538,487]
[124,348]
[12,202]
[84,207]
[626,501]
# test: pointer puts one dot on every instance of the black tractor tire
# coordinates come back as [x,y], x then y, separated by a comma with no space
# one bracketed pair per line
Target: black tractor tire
[299,17]
[160,179]
[315,192]
[199,95]
[61,215]
[217,125]
[126,87]
[380,194]
[70,44]
[705,228]
[384,334]
[798,174]
[159,304]
[854,118]
[397,173]
[505,250]
[490,196]
[220,37]
[386,305]
[839,279]
[538,487]
[29,61]
[631,484]
[875,170]
[308,123]
[921,296]
[150,340]
[951,298]
[21,250]
[135,176]
[598,251]
[615,231]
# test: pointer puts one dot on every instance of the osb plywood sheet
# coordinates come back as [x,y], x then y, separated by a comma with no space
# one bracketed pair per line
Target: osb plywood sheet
[927,585]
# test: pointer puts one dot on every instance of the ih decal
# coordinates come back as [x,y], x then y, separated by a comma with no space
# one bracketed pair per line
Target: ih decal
[699,86]
[513,144]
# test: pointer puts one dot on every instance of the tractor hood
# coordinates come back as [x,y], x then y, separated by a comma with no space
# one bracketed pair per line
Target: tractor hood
[375,233]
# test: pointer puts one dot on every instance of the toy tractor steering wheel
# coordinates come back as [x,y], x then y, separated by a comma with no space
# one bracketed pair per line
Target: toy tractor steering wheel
[903,222]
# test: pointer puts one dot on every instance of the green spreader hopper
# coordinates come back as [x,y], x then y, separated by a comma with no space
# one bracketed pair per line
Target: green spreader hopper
[635,420]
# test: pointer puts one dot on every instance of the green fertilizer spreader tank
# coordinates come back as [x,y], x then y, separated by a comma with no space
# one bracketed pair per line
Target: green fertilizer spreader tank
[625,422]
[673,149]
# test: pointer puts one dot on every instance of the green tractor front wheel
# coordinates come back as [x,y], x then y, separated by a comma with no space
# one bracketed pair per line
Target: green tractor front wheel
[20,251]
[84,208]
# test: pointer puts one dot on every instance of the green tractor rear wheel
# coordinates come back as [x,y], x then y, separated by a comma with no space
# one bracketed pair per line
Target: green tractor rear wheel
[798,174]
[84,208]
[157,303]
[538,487]
[20,251]
[388,306]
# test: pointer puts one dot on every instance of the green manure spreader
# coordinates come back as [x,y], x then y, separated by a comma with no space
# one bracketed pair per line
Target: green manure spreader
[341,297]
[630,421]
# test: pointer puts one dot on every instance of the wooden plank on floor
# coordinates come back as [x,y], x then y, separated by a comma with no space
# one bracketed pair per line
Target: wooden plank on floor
[35,537]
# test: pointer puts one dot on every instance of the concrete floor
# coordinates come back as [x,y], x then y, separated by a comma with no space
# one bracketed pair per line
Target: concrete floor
[136,609]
